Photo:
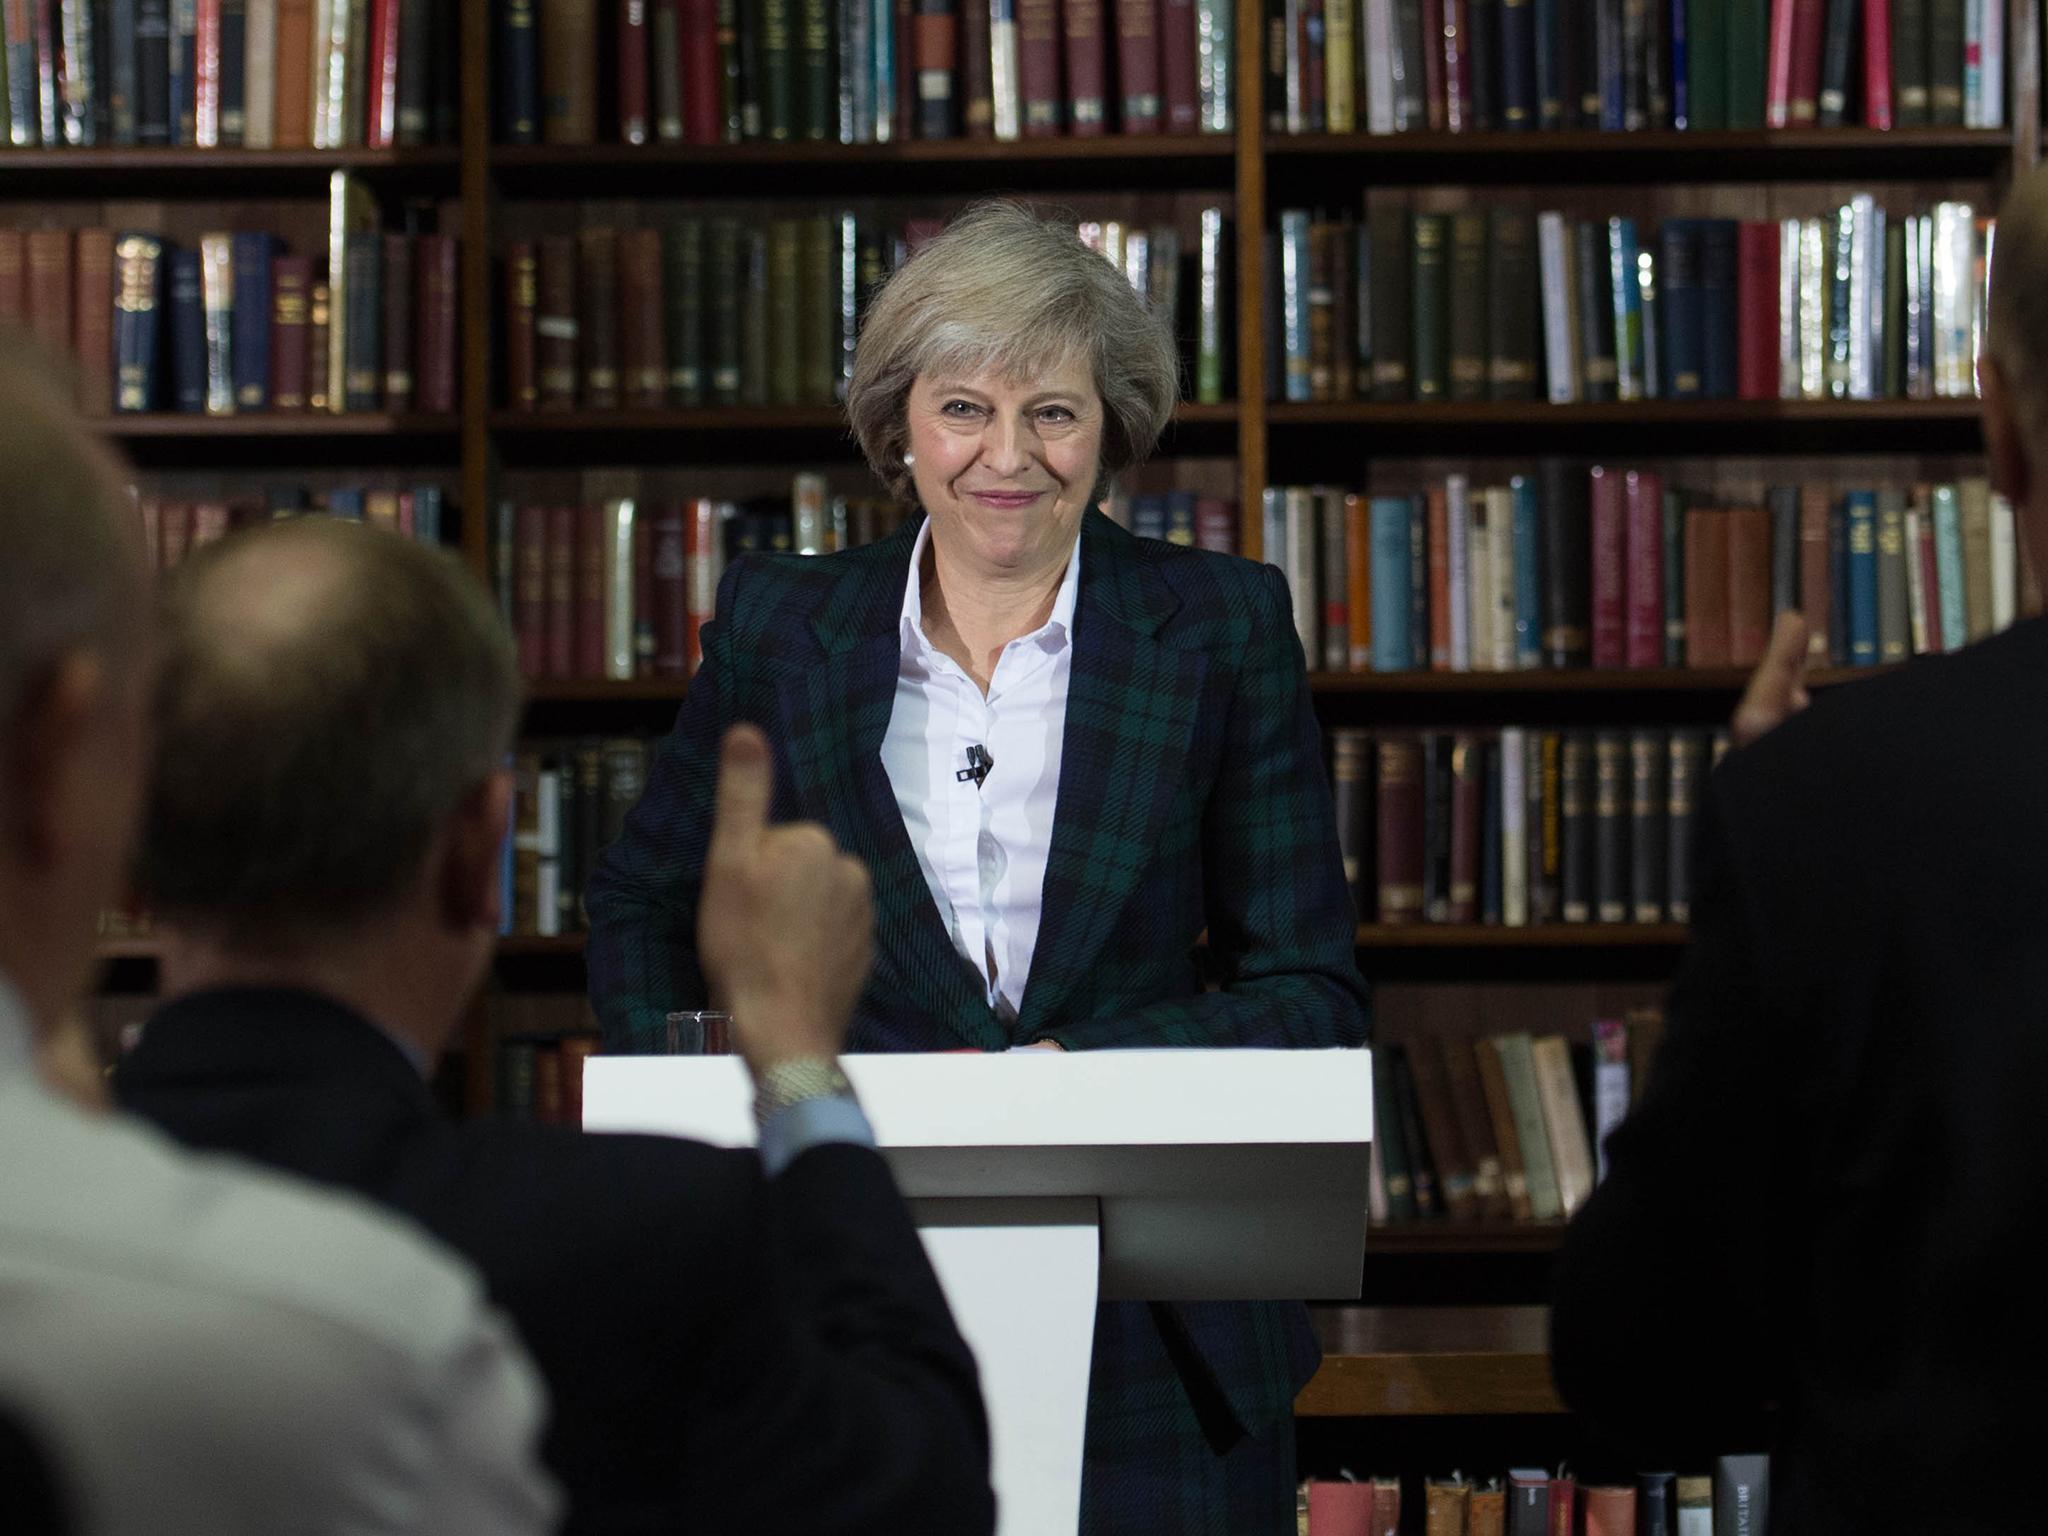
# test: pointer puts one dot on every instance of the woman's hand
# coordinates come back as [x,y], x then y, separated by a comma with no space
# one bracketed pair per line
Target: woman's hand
[1777,688]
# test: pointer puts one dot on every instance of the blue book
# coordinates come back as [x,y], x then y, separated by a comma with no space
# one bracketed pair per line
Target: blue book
[1860,516]
[1148,517]
[1528,542]
[1294,301]
[1517,68]
[1681,87]
[1678,285]
[153,72]
[346,503]
[882,36]
[426,514]
[184,71]
[1490,854]
[1418,582]
[1549,70]
[1948,568]
[138,315]
[1607,41]
[1630,383]
[188,330]
[250,348]
[1717,278]
[1391,648]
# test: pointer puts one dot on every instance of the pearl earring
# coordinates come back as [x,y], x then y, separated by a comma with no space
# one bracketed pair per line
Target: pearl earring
[909,460]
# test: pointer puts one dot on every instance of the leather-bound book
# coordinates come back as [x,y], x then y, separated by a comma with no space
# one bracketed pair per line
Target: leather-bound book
[1611,868]
[1488,1514]
[597,320]
[518,70]
[1654,1492]
[217,295]
[1430,317]
[669,563]
[1643,497]
[1475,1127]
[1749,585]
[642,334]
[977,105]
[1718,311]
[568,71]
[1392,328]
[138,320]
[1706,588]
[1445,1505]
[1600,374]
[1756,340]
[1610,570]
[1421,1169]
[1909,61]
[682,306]
[1894,628]
[1038,67]
[380,124]
[1447,1154]
[319,344]
[1576,870]
[935,50]
[1674,577]
[93,315]
[665,69]
[560,591]
[782,358]
[703,114]
[1468,294]
[294,89]
[1351,785]
[555,323]
[1493,1084]
[1742,1494]
[818,335]
[1179,91]
[723,275]
[732,59]
[1511,344]
[1436,827]
[635,80]
[436,263]
[364,329]
[1567,565]
[205,76]
[1649,849]
[1466,788]
[1684,339]
[778,69]
[1610,1509]
[1137,64]
[1400,839]
[522,298]
[414,109]
[1804,64]
[400,295]
[1694,1505]
[187,318]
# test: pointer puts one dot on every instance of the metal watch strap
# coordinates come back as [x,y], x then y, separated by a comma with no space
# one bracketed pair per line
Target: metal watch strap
[795,1082]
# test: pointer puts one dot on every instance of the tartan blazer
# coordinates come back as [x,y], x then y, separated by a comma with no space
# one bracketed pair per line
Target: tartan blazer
[1192,797]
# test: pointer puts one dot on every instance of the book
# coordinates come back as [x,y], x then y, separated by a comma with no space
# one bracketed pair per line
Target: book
[1693,1506]
[1742,1496]
[1516,1053]
[1564,1122]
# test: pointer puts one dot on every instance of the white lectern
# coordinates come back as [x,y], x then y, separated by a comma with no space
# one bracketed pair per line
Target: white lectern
[1042,1180]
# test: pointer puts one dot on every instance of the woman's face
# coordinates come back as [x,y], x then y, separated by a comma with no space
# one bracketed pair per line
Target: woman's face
[1004,468]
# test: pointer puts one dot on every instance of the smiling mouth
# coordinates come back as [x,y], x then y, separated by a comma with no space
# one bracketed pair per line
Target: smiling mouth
[1006,498]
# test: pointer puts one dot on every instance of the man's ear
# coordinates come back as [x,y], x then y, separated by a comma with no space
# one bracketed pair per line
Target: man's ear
[48,762]
[471,872]
[2005,442]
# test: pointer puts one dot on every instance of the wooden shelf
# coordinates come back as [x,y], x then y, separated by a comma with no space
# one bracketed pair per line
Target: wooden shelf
[1429,1361]
[1479,1237]
[1570,681]
[1797,154]
[270,424]
[156,172]
[1539,936]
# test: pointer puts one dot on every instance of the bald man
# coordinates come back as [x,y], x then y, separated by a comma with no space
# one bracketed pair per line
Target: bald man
[1829,1199]
[192,1346]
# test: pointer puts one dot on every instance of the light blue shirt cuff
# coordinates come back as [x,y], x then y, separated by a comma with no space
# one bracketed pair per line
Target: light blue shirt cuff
[795,1129]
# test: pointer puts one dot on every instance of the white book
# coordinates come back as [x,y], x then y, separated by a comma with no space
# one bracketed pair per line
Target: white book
[620,655]
[1479,584]
[1696,1514]
[319,129]
[1916,360]
[1954,253]
[1294,93]
[1916,586]
[1379,66]
[1610,1086]
[1273,521]
[1138,261]
[1301,569]
[1973,56]
[1458,529]
[1813,310]
[547,842]
[1500,520]
[1514,827]
[2005,566]
[1215,63]
[1005,89]
[1788,309]
[259,82]
[1991,53]
[1862,212]
[882,74]
[1560,343]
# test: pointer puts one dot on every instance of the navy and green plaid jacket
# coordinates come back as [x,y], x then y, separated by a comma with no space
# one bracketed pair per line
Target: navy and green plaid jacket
[1192,798]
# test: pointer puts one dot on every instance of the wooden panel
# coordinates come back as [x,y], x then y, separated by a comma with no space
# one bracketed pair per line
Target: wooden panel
[1424,1361]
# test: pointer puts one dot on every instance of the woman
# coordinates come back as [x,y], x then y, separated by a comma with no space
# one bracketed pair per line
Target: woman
[1064,754]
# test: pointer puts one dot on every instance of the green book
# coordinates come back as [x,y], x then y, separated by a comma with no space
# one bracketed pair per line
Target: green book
[1945,62]
[724,268]
[817,87]
[1909,63]
[1518,1066]
[1511,305]
[778,70]
[1468,319]
[682,308]
[754,321]
[1389,240]
[818,310]
[1748,36]
[784,353]
[1430,311]
[1706,64]
[1894,631]
[1211,305]
[1893,322]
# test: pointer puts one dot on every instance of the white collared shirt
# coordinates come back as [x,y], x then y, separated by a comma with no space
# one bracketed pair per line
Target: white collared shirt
[983,851]
[198,1345]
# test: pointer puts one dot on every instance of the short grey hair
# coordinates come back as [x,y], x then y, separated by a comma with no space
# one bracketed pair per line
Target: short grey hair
[72,571]
[1002,287]
[2017,333]
[329,695]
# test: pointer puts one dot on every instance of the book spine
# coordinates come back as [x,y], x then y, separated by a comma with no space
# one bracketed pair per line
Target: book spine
[1215,64]
[1674,578]
[1706,587]
[1392,322]
[1945,62]
[138,300]
[1575,832]
[399,297]
[1749,584]
[1610,581]
[1557,268]
[1565,1121]
[1718,311]
[1684,769]
[1399,836]
[1179,89]
[522,321]
[644,376]
[1644,499]
[1430,316]
[1518,1069]
[1611,866]
[1137,62]
[1894,641]
[1593,290]
[1649,844]
[1757,289]
[250,310]
[217,290]
[434,388]
[935,47]
[187,317]
[555,323]
[362,337]
[291,281]
[1468,317]
[597,321]
[519,76]
[1628,314]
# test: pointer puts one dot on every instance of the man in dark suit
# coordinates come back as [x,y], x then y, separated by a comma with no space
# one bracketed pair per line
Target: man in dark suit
[732,1342]
[1826,1198]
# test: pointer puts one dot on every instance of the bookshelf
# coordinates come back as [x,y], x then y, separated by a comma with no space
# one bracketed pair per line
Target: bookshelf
[1384,1360]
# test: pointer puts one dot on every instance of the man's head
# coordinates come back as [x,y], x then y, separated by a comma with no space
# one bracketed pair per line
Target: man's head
[74,639]
[2014,369]
[332,714]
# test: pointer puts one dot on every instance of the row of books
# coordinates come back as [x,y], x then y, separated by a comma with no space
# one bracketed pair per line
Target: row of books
[229,74]
[539,1078]
[1733,1500]
[1463,66]
[1504,304]
[1610,568]
[863,71]
[726,311]
[569,801]
[1519,826]
[172,528]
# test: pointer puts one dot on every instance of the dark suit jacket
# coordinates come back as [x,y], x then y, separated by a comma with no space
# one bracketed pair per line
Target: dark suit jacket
[723,1352]
[1826,1197]
[1192,796]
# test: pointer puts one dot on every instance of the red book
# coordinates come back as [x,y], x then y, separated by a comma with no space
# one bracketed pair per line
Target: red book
[906,73]
[590,591]
[1644,495]
[50,287]
[408,514]
[93,316]
[206,76]
[1706,587]
[1457,66]
[1437,506]
[1877,63]
[1808,17]
[1610,578]
[643,352]
[1778,68]
[697,68]
[561,592]
[1816,575]
[380,121]
[701,533]
[1216,530]
[522,294]
[434,390]
[1137,63]
[1610,1511]
[291,291]
[1563,1499]
[1400,828]
[668,561]
[1466,791]
[1756,308]
[633,71]
[1433,65]
[1341,1509]
[530,590]
[1930,581]
[1177,66]
[1038,66]
[1749,585]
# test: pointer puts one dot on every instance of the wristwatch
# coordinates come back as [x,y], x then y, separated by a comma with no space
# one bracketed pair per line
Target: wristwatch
[786,1083]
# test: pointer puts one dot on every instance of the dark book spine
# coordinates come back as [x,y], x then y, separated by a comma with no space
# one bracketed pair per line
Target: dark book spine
[1511,305]
[363,362]
[1392,1145]
[122,56]
[319,342]
[682,301]
[1597,366]
[1137,64]
[234,56]
[597,320]
[1683,336]
[817,72]
[1674,578]
[1430,316]
[643,381]
[818,309]
[1649,846]
[1400,828]
[1518,90]
[447,88]
[93,320]
[1718,319]
[1392,325]
[138,308]
[188,331]
[1546,824]
[1466,784]
[251,349]
[415,88]
[1945,62]
[1748,23]
[1038,67]
[1411,89]
[977,104]
[1549,63]
[435,389]
[1910,101]
[1180,97]
[518,74]
[725,265]
[1576,871]
[1436,827]
[1351,787]
[554,323]
[522,307]
[1838,57]
[291,281]
[1482,59]
[778,70]
[1781,505]
[757,318]
[401,310]
[1422,1169]
[1567,566]
[1491,848]
[152,72]
[1678,54]
[935,47]
[634,85]
[1468,318]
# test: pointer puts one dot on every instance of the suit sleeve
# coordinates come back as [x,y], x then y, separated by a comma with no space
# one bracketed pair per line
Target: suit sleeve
[1664,1327]
[1281,926]
[641,903]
